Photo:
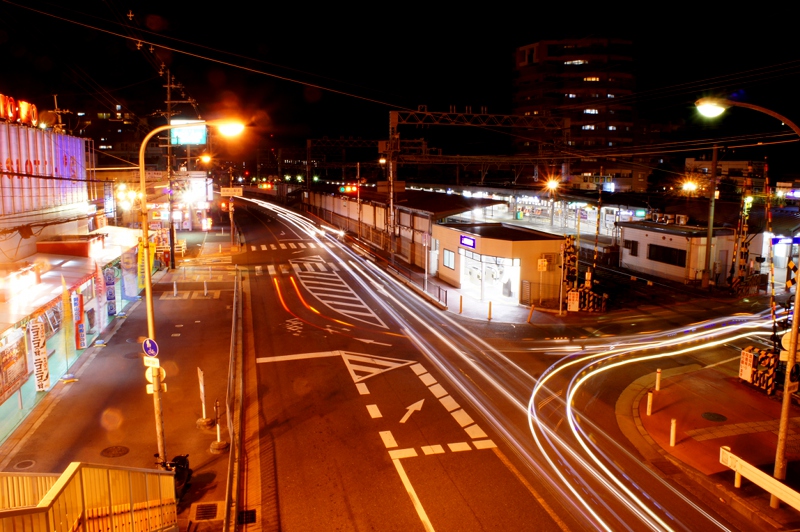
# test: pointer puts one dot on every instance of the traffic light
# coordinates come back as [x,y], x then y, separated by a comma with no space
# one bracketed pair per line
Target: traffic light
[348,189]
[265,186]
[223,206]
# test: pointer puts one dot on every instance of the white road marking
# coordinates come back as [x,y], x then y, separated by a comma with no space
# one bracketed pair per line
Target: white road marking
[252,248]
[271,269]
[432,449]
[302,246]
[374,411]
[388,439]
[413,494]
[362,388]
[273,247]
[312,245]
[402,453]
[484,444]
[419,369]
[283,246]
[475,432]
[449,403]
[459,447]
[438,391]
[263,247]
[360,366]
[292,246]
[462,418]
[427,379]
[411,409]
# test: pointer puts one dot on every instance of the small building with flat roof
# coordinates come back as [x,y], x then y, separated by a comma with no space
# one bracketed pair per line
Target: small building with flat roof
[497,261]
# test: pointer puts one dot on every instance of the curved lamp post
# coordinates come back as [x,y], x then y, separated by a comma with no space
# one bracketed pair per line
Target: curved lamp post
[713,107]
[226,128]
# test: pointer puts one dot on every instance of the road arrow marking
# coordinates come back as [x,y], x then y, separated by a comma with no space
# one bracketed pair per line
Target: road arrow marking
[411,409]
[368,341]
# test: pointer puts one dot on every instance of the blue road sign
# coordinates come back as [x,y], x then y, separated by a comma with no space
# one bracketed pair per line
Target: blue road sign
[150,347]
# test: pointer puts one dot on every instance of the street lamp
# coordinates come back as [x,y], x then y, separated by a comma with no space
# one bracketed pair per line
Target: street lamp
[713,107]
[226,128]
[552,186]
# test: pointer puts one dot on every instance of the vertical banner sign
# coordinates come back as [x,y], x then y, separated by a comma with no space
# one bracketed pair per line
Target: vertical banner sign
[111,291]
[140,274]
[67,322]
[128,277]
[100,298]
[80,321]
[201,380]
[41,369]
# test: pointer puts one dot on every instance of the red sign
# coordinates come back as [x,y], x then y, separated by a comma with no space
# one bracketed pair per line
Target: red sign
[21,112]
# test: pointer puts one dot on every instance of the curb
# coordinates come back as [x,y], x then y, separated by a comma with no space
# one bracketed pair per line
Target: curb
[652,451]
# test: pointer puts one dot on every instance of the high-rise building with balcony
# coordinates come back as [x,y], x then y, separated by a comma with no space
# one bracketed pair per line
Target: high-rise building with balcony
[589,81]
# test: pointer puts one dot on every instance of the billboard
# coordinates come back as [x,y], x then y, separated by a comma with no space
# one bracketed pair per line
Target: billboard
[189,134]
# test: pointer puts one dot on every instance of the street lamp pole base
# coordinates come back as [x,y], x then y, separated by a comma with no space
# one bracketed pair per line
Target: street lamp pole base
[205,423]
[219,447]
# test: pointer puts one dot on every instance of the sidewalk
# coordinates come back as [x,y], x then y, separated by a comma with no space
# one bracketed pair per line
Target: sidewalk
[105,416]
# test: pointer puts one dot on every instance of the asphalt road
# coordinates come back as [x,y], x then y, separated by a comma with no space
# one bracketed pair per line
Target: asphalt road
[379,412]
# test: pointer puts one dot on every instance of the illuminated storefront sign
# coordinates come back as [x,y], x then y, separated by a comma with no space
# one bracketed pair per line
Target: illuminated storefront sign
[467,241]
[19,111]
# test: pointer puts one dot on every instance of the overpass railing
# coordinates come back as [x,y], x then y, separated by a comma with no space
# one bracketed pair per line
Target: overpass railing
[89,498]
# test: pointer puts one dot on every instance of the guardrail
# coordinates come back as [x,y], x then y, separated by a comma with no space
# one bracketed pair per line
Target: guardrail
[91,498]
[234,406]
[772,485]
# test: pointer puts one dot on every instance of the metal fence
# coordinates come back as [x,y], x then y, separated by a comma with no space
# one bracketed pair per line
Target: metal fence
[90,498]
[234,405]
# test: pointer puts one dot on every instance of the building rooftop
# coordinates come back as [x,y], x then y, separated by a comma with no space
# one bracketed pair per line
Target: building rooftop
[501,231]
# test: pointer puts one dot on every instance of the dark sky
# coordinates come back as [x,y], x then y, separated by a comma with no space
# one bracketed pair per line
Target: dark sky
[372,58]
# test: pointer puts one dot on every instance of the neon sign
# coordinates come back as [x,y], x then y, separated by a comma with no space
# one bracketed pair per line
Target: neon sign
[22,112]
[468,241]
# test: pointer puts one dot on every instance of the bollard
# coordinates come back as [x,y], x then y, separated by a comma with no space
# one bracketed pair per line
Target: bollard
[658,379]
[205,288]
[218,446]
[737,480]
[530,314]
[490,311]
[672,429]
[460,304]
[175,288]
[649,403]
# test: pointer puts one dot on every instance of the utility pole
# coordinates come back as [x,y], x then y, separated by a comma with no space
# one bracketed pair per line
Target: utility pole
[171,265]
[710,236]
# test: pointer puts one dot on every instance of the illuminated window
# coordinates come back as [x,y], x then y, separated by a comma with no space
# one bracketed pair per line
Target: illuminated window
[610,95]
[106,147]
[610,143]
[591,78]
[570,95]
[527,113]
[81,113]
[449,259]
[119,108]
[105,116]
[590,111]
[577,62]
[612,128]
[588,126]
[595,95]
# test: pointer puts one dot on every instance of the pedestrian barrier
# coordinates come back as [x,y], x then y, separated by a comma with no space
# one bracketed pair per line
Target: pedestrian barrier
[90,497]
[588,300]
[757,367]
[752,473]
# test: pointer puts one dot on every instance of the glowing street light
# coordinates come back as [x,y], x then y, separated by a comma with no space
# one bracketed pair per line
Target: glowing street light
[713,107]
[226,128]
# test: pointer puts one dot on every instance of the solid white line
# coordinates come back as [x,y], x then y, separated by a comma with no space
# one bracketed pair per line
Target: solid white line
[413,494]
[723,362]
[302,356]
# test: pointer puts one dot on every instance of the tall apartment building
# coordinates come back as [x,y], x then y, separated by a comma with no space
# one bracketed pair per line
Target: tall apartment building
[590,82]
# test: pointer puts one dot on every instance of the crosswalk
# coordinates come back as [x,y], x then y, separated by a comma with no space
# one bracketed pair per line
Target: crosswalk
[288,245]
[322,280]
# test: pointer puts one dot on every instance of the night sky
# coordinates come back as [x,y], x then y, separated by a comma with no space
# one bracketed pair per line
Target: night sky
[351,65]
